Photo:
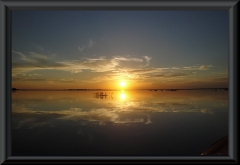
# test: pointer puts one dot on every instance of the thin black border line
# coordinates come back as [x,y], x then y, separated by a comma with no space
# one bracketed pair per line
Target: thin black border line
[5,70]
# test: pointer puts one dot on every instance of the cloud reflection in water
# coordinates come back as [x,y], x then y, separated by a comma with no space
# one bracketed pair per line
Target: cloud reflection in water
[34,109]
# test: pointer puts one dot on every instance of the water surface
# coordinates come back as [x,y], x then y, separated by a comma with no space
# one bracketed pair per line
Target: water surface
[123,123]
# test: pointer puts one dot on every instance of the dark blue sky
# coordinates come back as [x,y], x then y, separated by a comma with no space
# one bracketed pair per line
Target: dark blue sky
[80,47]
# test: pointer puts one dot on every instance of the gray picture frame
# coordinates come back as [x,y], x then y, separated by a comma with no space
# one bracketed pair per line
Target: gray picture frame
[6,7]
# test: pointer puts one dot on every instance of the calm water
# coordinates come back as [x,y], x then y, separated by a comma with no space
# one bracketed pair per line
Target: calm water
[125,123]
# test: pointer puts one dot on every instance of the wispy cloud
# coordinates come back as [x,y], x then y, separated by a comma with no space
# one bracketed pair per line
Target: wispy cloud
[101,64]
[112,68]
[31,78]
[16,78]
[81,48]
[35,61]
[24,57]
[205,67]
[38,56]
[168,75]
[143,71]
[197,67]
[37,46]
[91,43]
[121,58]
[147,60]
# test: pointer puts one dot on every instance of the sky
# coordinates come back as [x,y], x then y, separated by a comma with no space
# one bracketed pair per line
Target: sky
[99,49]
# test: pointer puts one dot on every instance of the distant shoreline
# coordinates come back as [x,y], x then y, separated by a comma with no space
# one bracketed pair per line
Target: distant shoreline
[157,89]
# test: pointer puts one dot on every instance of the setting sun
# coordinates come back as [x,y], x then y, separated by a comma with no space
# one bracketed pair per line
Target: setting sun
[122,84]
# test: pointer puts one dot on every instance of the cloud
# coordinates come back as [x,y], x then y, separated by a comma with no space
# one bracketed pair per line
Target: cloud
[81,48]
[33,57]
[143,71]
[24,57]
[120,58]
[31,78]
[204,67]
[37,46]
[114,68]
[35,61]
[189,67]
[147,60]
[161,72]
[15,78]
[100,64]
[197,67]
[91,43]
[169,75]
[38,56]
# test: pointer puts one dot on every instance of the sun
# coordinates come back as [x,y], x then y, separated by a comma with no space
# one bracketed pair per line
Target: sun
[122,83]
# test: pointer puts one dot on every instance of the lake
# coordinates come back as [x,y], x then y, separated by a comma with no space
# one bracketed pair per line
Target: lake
[117,123]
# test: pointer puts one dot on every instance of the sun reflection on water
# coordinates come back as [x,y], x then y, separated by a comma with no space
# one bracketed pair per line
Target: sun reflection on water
[122,96]
[118,107]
